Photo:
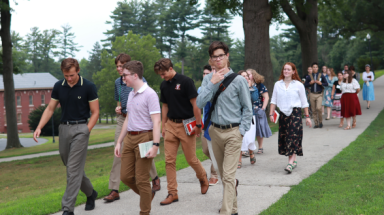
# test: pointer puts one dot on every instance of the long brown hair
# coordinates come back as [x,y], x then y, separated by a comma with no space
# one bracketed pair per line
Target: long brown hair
[257,78]
[332,72]
[295,76]
[350,76]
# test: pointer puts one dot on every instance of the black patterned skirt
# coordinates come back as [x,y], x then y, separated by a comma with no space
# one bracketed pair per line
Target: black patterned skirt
[291,133]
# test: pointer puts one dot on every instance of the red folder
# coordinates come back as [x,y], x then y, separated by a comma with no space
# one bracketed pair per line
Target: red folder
[189,124]
[276,116]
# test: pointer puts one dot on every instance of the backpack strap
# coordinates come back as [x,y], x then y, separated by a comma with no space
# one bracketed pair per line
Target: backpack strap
[226,82]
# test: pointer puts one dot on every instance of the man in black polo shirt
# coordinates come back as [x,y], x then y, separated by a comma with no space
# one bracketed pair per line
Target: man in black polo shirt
[178,95]
[77,97]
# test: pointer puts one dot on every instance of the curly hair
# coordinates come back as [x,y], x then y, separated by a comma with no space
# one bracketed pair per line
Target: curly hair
[257,78]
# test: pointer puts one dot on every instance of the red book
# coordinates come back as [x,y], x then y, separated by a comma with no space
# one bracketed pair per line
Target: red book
[276,116]
[189,124]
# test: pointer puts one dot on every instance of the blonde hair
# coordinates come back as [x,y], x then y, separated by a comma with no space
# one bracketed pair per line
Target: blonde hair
[257,78]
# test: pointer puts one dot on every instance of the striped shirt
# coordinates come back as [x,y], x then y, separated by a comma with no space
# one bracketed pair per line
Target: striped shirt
[140,106]
[122,92]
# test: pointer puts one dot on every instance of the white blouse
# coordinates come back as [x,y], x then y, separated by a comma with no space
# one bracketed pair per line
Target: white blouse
[365,74]
[350,87]
[288,98]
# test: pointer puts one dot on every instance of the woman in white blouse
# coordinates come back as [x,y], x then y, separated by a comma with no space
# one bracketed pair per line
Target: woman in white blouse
[368,90]
[289,96]
[350,105]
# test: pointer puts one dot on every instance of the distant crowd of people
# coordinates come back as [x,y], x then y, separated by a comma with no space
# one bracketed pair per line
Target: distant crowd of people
[234,115]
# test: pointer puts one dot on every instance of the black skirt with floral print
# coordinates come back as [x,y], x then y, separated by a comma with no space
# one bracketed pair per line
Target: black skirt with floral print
[291,133]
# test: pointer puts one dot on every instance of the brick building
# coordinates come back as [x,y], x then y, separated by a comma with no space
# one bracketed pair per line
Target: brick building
[31,91]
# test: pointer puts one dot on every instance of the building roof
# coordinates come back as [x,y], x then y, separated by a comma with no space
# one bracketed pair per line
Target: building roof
[31,81]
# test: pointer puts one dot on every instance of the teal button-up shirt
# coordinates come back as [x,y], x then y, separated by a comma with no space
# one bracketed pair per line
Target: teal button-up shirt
[232,106]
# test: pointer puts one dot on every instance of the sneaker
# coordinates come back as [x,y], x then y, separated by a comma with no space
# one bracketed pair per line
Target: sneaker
[213,181]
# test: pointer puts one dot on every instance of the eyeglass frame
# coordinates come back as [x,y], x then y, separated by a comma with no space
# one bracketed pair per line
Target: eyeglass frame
[124,74]
[220,57]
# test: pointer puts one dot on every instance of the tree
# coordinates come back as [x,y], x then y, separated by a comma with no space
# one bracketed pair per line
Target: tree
[184,15]
[13,140]
[67,45]
[139,48]
[35,116]
[304,16]
[93,64]
[32,44]
[47,49]
[257,16]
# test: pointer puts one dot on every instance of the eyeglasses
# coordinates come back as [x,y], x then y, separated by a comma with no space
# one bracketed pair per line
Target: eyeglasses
[124,75]
[218,57]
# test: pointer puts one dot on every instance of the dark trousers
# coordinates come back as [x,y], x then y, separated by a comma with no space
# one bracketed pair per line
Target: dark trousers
[73,145]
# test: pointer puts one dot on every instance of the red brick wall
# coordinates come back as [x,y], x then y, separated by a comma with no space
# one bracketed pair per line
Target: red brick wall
[24,109]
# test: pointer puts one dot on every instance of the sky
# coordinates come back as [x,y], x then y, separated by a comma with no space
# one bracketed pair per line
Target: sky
[86,17]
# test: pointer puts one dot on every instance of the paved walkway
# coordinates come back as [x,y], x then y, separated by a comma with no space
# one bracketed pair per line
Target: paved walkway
[261,184]
[26,142]
[50,153]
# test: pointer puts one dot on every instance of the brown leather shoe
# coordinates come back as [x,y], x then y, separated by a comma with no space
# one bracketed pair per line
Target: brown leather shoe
[113,195]
[204,185]
[213,181]
[170,199]
[156,184]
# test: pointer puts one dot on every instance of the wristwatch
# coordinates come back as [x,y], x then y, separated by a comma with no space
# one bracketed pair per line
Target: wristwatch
[199,126]
[156,144]
[306,116]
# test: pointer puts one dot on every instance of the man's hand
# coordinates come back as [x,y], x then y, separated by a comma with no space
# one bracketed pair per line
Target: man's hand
[318,82]
[36,134]
[312,82]
[217,76]
[197,131]
[152,152]
[117,150]
[118,110]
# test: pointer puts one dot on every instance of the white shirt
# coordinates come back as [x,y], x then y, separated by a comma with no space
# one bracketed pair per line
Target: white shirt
[350,87]
[365,74]
[288,98]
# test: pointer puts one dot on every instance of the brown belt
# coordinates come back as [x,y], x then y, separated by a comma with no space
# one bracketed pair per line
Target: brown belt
[138,132]
[176,120]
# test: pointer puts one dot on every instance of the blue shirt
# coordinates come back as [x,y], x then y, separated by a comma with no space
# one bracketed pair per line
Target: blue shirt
[122,92]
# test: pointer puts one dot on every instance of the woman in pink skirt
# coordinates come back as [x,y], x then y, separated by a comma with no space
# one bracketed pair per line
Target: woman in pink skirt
[336,96]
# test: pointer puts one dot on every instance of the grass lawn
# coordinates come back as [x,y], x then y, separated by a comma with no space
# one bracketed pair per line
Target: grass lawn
[97,136]
[36,186]
[351,183]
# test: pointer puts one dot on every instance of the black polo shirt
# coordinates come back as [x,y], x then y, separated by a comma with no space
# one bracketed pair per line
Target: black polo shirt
[176,93]
[74,100]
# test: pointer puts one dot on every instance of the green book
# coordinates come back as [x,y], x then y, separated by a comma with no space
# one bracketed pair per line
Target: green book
[145,147]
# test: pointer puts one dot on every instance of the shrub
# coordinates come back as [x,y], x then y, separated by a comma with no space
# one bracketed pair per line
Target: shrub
[35,116]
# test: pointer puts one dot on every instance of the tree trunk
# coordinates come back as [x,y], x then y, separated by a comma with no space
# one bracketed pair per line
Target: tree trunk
[305,20]
[13,140]
[257,17]
[182,66]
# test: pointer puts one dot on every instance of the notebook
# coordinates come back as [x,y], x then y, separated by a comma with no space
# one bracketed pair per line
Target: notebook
[189,124]
[145,147]
[276,116]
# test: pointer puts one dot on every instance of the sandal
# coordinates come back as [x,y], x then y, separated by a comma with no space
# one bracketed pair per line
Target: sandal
[260,151]
[289,168]
[294,164]
[341,125]
[252,159]
[347,128]
[327,118]
[239,165]
[354,124]
[245,154]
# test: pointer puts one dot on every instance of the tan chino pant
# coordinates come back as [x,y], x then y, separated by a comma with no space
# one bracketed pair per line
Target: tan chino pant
[226,145]
[174,135]
[114,177]
[316,100]
[135,170]
[204,145]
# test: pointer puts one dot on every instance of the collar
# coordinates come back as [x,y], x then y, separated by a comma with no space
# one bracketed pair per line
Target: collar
[79,82]
[174,78]
[228,73]
[142,88]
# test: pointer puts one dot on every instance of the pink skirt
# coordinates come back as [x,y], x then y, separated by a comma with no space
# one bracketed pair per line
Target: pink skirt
[336,106]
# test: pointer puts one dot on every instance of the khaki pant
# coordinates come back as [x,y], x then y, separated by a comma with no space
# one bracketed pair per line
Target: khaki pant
[135,170]
[174,135]
[316,100]
[204,145]
[226,145]
[114,177]
[73,146]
